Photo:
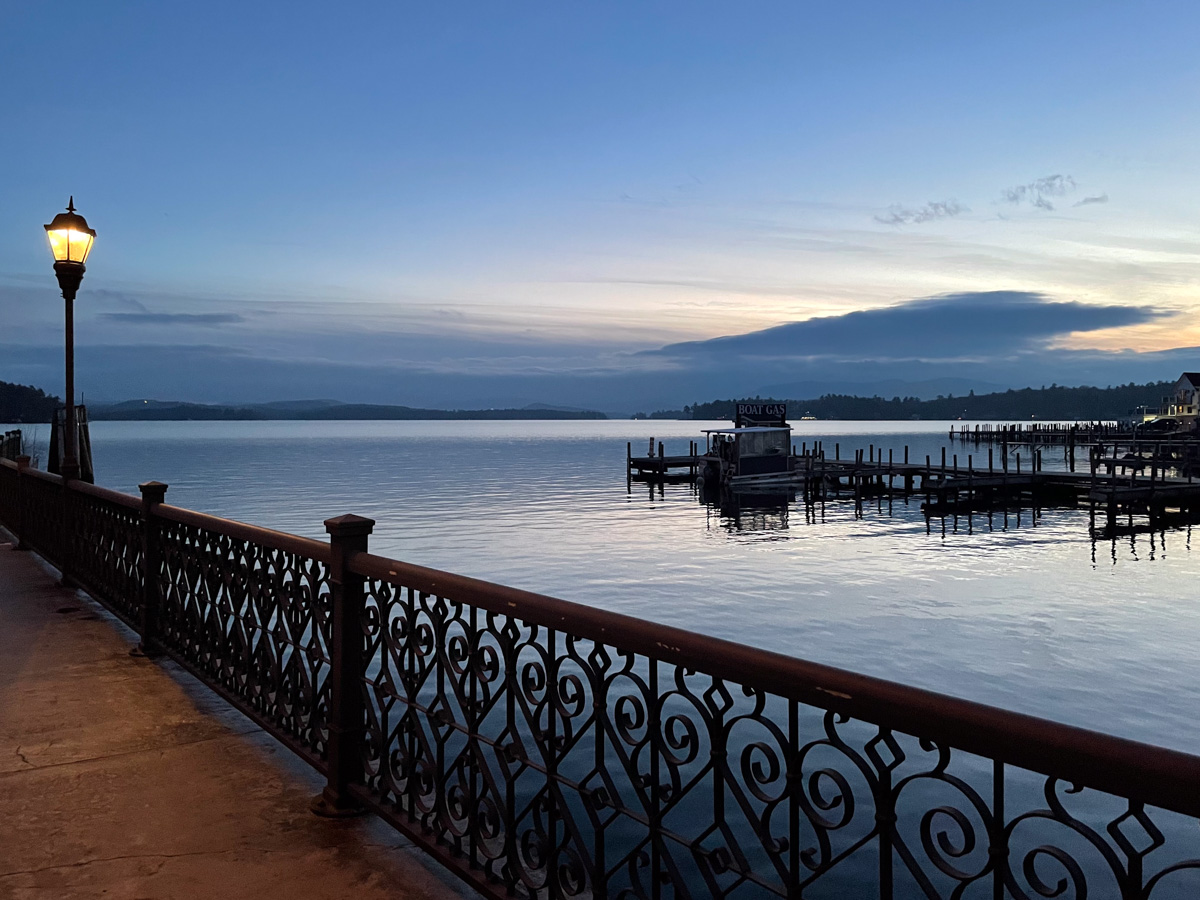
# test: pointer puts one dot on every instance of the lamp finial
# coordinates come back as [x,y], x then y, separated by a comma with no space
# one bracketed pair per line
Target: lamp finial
[71,204]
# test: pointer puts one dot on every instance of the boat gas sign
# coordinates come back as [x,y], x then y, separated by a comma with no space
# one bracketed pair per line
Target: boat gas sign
[761,414]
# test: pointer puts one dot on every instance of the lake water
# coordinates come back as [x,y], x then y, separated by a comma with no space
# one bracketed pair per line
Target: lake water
[1028,615]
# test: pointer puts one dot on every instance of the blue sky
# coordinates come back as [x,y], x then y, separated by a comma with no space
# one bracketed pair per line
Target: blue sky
[415,192]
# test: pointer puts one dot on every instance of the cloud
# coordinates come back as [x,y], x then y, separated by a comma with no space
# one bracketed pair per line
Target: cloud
[1038,193]
[1088,201]
[149,318]
[962,326]
[119,299]
[934,209]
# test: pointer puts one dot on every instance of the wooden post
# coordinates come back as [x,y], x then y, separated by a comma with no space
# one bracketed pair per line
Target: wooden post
[925,480]
[153,493]
[347,537]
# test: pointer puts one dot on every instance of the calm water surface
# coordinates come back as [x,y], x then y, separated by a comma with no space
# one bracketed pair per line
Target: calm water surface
[1032,616]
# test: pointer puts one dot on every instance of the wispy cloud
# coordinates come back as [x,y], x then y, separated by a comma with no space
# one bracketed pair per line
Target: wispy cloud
[1088,201]
[1038,193]
[120,299]
[934,209]
[148,318]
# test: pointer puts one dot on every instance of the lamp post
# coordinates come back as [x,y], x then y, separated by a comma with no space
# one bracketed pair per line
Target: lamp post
[70,242]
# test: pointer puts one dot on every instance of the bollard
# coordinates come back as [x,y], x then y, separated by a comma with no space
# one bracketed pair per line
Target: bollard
[347,536]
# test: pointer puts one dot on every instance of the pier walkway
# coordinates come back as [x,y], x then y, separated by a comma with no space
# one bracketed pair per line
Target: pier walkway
[122,777]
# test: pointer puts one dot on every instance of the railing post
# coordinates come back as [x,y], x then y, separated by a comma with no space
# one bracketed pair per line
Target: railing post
[66,536]
[153,493]
[18,524]
[347,536]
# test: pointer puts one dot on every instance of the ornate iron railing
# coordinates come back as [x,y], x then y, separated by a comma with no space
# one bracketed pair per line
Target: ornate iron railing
[105,537]
[247,610]
[548,750]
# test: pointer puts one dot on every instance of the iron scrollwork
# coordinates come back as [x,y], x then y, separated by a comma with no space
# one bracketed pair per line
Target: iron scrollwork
[252,621]
[557,766]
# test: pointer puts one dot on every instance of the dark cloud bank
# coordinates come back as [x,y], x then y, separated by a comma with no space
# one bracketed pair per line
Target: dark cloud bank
[971,340]
[952,326]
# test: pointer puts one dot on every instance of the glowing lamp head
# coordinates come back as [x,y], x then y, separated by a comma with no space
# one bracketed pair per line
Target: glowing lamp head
[70,238]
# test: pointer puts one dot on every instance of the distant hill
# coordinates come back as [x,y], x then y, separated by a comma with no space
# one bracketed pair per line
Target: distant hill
[1054,403]
[298,404]
[372,411]
[26,404]
[164,411]
[311,410]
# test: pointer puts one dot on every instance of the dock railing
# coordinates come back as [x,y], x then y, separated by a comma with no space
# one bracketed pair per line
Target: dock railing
[544,749]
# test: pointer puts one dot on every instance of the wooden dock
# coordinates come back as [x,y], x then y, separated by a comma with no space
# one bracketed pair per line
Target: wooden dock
[660,467]
[1045,433]
[1117,481]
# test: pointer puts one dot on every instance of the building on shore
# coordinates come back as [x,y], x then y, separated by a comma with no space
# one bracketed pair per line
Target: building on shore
[1182,404]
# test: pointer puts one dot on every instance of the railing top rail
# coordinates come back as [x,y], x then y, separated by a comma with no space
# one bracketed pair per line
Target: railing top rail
[31,472]
[102,493]
[1153,775]
[268,537]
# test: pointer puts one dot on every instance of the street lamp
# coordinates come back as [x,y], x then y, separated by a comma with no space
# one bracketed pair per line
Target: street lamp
[70,242]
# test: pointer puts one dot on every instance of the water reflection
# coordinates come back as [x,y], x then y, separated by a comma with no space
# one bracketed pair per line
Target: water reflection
[751,511]
[771,513]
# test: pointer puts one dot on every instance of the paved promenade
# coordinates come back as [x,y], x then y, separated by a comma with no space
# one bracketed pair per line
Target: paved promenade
[124,778]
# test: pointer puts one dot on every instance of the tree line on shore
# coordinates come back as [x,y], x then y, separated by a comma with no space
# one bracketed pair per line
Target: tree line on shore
[20,403]
[1054,402]
[28,404]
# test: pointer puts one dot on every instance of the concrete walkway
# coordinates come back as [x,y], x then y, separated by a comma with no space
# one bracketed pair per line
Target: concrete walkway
[125,778]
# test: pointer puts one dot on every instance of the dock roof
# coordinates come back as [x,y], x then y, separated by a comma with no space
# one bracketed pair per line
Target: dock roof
[747,429]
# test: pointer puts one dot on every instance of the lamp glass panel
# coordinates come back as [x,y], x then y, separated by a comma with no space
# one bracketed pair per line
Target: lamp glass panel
[69,245]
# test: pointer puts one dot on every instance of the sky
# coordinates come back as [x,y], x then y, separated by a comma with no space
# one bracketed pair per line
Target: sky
[497,204]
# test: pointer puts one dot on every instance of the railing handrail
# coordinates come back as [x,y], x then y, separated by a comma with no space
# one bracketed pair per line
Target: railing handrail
[1154,775]
[30,472]
[269,537]
[102,493]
